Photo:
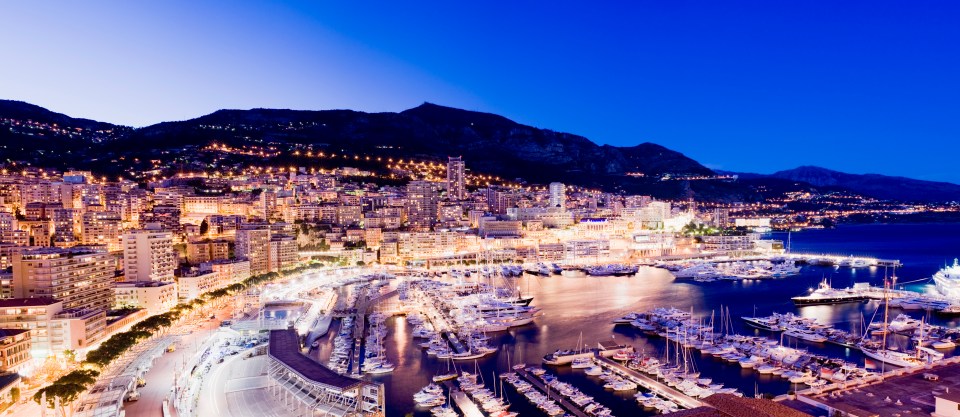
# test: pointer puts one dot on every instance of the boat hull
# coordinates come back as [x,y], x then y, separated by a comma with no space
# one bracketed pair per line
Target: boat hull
[802,301]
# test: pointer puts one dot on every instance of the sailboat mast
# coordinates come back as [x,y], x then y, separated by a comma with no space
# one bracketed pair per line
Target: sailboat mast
[886,309]
[920,341]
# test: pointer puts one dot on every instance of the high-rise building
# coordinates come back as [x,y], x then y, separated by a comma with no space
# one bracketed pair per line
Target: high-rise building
[82,279]
[101,228]
[499,201]
[558,195]
[148,255]
[66,226]
[456,184]
[207,250]
[422,203]
[283,252]
[253,243]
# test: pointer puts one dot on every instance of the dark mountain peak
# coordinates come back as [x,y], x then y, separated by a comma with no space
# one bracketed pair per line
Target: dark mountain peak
[437,114]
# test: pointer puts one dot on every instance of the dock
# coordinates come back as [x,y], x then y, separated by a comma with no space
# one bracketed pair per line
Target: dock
[553,395]
[463,402]
[654,386]
[455,343]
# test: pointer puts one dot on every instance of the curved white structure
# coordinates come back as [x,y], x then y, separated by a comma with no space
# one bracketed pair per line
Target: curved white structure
[948,281]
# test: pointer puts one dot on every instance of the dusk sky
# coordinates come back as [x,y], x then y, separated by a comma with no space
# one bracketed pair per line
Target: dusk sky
[869,86]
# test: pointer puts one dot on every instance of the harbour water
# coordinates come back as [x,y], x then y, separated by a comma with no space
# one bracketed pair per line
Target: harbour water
[579,305]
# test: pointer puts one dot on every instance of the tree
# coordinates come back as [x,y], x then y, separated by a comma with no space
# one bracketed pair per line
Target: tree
[204,227]
[15,394]
[67,388]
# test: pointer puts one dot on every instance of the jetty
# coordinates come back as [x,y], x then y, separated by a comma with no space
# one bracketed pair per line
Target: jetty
[465,404]
[552,394]
[656,387]
[462,400]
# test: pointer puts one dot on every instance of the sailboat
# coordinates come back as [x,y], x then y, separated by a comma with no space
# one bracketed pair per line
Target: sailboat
[893,357]
[450,374]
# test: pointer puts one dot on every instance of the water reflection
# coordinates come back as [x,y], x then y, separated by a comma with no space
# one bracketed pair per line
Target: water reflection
[574,304]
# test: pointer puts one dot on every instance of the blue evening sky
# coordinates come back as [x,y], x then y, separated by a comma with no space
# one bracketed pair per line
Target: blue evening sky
[871,86]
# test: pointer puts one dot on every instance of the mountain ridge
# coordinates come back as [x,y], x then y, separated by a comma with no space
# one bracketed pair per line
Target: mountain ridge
[490,143]
[880,186]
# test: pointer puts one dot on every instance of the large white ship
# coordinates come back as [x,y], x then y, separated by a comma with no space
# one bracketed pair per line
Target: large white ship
[826,295]
[948,281]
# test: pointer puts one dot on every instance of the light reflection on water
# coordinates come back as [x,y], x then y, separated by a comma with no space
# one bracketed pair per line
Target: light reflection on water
[575,305]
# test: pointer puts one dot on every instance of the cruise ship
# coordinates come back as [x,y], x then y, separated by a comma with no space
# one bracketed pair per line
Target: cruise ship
[826,295]
[948,281]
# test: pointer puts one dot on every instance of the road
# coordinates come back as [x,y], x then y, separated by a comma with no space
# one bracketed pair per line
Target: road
[160,377]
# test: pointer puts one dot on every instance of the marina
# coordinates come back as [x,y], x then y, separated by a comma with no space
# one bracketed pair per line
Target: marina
[445,314]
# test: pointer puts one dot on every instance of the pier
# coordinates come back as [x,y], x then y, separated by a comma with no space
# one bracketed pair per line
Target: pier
[836,259]
[683,400]
[553,395]
[463,402]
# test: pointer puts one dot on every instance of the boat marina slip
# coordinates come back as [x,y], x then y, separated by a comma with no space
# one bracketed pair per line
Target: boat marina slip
[539,340]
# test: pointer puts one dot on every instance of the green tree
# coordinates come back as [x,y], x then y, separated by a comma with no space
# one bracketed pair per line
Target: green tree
[204,227]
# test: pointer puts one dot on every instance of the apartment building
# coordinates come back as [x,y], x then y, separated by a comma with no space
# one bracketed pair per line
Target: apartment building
[101,228]
[202,251]
[253,243]
[82,279]
[155,296]
[53,329]
[231,271]
[14,350]
[148,255]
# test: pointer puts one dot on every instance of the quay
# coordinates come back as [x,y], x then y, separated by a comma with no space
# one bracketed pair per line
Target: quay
[683,400]
[553,395]
[836,259]
[722,257]
[463,402]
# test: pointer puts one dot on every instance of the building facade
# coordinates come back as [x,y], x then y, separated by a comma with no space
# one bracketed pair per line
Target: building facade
[81,279]
[148,255]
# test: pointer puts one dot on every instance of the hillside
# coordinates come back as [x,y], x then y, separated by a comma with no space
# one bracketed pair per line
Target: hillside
[491,144]
[874,185]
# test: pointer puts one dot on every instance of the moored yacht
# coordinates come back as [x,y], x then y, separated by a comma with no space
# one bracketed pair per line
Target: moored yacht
[947,281]
[824,294]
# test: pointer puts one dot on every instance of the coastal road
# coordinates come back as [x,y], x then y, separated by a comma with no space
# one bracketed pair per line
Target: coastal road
[160,377]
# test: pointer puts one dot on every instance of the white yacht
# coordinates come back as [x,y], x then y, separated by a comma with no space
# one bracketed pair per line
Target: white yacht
[902,359]
[805,335]
[948,281]
[826,295]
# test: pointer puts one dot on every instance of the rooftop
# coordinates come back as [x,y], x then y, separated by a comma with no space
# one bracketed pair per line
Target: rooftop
[143,284]
[28,302]
[731,405]
[11,332]
[285,347]
[909,393]
[8,379]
